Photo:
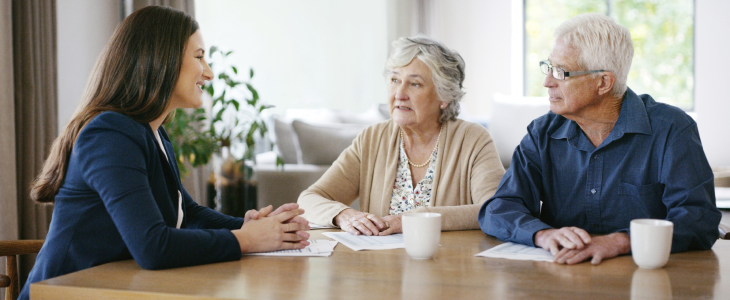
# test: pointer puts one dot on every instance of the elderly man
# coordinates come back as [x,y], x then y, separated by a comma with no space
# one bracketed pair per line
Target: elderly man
[602,157]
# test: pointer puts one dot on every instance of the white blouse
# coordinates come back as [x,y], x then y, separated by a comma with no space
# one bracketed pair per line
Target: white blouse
[405,197]
[180,212]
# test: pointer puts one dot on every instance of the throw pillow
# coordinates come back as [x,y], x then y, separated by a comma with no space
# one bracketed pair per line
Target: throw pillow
[510,117]
[321,144]
[370,116]
[285,141]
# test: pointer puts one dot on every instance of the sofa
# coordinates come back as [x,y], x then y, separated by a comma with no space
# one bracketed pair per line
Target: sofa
[510,117]
[308,141]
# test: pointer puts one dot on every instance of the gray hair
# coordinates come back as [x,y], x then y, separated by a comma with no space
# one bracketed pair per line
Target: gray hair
[447,69]
[603,45]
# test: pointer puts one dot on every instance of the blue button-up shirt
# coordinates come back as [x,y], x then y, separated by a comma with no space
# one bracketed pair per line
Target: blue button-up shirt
[651,165]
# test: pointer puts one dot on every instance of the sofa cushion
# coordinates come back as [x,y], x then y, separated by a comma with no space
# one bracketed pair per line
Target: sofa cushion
[384,109]
[321,144]
[285,143]
[370,116]
[510,117]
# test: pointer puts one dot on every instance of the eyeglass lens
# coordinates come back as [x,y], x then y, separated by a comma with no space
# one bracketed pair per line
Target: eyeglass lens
[556,72]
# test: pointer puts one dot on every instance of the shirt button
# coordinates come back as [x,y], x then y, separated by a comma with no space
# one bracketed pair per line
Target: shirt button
[596,157]
[593,191]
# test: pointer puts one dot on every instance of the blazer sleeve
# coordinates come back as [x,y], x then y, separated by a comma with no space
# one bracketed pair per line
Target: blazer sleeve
[201,217]
[114,164]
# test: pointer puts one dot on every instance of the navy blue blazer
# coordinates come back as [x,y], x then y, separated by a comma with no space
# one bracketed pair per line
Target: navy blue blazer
[119,200]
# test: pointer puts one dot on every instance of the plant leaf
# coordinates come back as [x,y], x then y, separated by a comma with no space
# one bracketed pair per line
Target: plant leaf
[262,107]
[254,94]
[218,115]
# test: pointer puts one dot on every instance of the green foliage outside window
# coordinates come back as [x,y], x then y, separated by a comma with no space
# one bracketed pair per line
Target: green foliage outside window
[662,33]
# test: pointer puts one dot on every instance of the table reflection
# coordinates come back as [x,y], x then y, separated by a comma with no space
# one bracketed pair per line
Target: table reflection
[651,284]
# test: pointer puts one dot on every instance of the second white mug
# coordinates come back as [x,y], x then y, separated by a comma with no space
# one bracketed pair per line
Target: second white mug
[421,234]
[651,242]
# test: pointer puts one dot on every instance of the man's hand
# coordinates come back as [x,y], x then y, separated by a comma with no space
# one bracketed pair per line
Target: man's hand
[554,240]
[600,248]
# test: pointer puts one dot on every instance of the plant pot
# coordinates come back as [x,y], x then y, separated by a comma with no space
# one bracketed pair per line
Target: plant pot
[227,190]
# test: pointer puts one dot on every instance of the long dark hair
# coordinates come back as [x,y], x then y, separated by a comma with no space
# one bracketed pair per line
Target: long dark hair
[135,76]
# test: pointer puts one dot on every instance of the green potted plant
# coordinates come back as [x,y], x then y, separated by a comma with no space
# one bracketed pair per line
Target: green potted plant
[233,120]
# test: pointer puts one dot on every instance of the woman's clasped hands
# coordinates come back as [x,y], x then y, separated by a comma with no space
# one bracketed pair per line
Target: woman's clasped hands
[357,223]
[264,230]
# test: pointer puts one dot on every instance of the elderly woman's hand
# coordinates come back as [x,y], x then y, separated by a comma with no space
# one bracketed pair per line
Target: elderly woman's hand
[395,225]
[357,222]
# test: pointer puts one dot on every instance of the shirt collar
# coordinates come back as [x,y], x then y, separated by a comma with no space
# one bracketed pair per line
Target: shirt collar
[632,119]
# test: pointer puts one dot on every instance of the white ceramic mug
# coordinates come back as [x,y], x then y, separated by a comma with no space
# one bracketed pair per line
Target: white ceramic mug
[651,242]
[421,234]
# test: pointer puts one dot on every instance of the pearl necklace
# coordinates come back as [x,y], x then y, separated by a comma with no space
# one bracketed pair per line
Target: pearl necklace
[432,152]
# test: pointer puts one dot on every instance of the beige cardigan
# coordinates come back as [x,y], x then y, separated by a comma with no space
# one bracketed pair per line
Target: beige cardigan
[468,171]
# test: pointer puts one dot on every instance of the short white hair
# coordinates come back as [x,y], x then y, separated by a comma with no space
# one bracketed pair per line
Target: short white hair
[446,65]
[603,45]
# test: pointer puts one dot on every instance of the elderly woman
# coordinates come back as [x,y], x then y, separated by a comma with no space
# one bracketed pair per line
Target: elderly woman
[423,159]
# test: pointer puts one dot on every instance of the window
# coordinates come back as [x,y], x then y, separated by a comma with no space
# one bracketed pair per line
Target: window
[662,33]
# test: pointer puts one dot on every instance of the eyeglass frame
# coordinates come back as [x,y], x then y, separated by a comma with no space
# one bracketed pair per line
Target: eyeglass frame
[551,70]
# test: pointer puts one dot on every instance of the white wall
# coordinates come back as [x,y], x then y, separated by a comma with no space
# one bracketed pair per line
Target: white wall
[481,32]
[306,54]
[346,45]
[712,62]
[83,28]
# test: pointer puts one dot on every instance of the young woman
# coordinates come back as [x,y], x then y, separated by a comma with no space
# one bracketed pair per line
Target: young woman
[112,173]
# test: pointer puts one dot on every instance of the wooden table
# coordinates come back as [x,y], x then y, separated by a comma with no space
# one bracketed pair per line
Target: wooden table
[390,274]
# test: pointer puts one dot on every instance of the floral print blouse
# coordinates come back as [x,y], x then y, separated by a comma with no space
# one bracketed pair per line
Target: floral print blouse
[405,197]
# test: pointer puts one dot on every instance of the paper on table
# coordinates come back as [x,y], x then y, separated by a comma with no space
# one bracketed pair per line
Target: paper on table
[315,248]
[518,252]
[722,196]
[317,226]
[364,242]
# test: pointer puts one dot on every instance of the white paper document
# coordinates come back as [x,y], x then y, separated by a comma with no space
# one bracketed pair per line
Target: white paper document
[518,252]
[722,195]
[315,248]
[364,242]
[317,226]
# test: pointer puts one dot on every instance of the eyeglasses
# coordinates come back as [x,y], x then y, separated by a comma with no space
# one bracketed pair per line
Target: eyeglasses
[559,73]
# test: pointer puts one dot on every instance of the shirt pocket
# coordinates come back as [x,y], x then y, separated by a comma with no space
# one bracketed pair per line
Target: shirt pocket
[643,201]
